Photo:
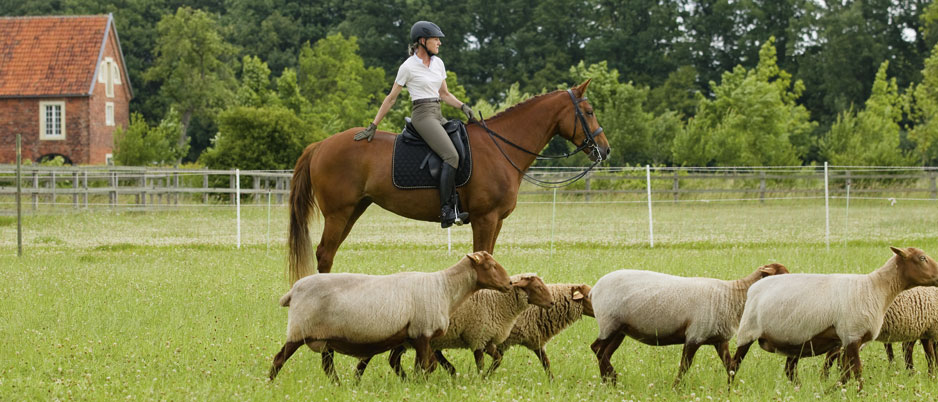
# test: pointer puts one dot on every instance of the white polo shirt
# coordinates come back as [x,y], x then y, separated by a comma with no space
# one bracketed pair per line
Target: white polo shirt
[421,81]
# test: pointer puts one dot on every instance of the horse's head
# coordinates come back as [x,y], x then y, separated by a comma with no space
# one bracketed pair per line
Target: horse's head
[584,130]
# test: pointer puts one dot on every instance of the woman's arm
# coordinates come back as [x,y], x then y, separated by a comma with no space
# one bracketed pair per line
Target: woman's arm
[388,102]
[449,98]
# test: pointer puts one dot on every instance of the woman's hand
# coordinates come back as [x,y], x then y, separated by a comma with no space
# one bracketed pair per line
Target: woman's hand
[367,133]
[468,111]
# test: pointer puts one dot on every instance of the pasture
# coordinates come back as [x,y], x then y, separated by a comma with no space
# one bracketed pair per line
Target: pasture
[160,304]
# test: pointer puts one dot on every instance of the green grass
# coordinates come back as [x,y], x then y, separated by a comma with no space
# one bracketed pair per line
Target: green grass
[161,305]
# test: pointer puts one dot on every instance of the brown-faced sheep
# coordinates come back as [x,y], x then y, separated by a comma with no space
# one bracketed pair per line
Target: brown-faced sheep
[659,309]
[363,315]
[801,315]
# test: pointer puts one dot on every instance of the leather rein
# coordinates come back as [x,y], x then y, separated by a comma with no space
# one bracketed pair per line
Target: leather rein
[588,142]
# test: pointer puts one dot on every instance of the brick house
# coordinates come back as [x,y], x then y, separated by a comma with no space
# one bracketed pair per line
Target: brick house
[63,87]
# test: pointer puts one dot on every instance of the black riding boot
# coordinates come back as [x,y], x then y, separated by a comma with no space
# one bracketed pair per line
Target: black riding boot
[449,200]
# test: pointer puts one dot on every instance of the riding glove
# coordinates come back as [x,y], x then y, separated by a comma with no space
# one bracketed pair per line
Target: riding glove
[367,133]
[468,111]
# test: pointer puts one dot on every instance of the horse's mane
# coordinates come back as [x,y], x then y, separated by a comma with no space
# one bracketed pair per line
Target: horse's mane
[520,104]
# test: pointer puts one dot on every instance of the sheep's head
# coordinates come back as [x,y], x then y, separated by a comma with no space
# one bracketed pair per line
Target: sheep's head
[915,267]
[772,269]
[489,273]
[534,287]
[581,294]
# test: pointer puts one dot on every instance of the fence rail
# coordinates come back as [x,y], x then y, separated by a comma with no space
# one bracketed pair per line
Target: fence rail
[138,186]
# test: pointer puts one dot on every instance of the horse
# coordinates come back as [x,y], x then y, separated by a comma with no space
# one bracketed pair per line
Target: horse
[341,177]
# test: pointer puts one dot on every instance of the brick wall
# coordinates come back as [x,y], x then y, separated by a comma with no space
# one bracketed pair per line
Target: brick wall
[21,116]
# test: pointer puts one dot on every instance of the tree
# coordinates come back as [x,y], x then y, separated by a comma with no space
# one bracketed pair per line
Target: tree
[870,137]
[925,112]
[263,138]
[753,119]
[255,84]
[141,144]
[192,65]
[343,92]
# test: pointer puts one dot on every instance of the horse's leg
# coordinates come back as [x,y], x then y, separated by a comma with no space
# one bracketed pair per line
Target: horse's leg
[484,230]
[336,228]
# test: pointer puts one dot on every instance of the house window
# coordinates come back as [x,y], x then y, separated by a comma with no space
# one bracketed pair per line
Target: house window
[109,113]
[109,80]
[52,120]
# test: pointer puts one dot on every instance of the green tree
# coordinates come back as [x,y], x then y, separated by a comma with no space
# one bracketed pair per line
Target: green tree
[141,144]
[870,137]
[753,119]
[262,138]
[255,84]
[192,65]
[924,112]
[344,93]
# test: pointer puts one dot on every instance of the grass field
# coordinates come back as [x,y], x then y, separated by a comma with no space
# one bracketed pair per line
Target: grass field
[161,305]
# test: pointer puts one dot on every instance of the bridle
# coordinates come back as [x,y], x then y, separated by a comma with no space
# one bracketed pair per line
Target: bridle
[588,142]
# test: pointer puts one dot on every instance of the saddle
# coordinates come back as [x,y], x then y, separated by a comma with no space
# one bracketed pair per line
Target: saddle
[414,165]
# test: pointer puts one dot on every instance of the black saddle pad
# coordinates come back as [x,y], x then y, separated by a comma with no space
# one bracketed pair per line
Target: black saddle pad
[414,165]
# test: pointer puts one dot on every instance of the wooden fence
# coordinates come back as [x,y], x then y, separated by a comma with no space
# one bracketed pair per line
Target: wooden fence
[150,187]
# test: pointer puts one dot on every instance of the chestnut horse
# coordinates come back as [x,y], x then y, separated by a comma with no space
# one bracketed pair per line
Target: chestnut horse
[342,177]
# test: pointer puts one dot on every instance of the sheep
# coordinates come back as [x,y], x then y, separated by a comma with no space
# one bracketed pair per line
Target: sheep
[363,315]
[659,309]
[912,316]
[483,321]
[802,315]
[535,327]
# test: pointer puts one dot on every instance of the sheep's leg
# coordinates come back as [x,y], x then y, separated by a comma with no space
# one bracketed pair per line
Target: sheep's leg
[479,356]
[907,349]
[491,350]
[501,350]
[851,361]
[328,365]
[723,350]
[545,362]
[604,348]
[687,357]
[929,346]
[791,369]
[832,356]
[424,353]
[445,363]
[889,354]
[281,357]
[360,368]
[394,359]
[741,351]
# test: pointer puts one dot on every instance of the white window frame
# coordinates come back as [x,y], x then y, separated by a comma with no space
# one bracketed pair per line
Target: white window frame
[108,77]
[109,113]
[42,121]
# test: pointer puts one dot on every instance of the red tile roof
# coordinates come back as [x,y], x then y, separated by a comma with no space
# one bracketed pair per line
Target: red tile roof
[48,56]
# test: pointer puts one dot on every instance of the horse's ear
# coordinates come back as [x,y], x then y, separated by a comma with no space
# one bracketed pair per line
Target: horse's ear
[581,89]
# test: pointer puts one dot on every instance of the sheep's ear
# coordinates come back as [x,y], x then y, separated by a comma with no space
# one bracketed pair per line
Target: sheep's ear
[900,252]
[476,256]
[523,282]
[577,295]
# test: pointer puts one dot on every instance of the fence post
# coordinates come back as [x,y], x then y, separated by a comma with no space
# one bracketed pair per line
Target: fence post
[35,189]
[205,186]
[762,186]
[75,189]
[52,186]
[231,185]
[143,188]
[19,196]
[588,187]
[237,178]
[827,209]
[651,227]
[113,193]
[932,185]
[176,187]
[85,187]
[675,186]
[257,189]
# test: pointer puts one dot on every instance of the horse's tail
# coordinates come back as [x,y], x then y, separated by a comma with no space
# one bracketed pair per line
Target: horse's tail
[302,208]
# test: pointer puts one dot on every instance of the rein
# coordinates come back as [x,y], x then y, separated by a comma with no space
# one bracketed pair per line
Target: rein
[589,141]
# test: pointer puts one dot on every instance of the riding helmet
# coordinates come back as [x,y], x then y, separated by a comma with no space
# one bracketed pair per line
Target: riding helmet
[425,29]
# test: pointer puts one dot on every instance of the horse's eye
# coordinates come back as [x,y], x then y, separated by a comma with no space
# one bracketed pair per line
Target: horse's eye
[922,258]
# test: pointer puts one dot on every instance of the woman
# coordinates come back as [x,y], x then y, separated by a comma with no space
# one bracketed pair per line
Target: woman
[424,75]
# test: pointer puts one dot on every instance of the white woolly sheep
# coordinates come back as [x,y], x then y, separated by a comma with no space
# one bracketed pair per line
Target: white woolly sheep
[363,315]
[911,317]
[660,309]
[802,315]
[483,321]
[535,327]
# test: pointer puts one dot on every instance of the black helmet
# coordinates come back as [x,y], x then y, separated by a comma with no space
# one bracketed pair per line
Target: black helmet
[425,29]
